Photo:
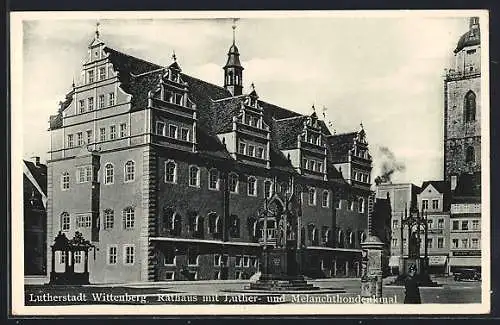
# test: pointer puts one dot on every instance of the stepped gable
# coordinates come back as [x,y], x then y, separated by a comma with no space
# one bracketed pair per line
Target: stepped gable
[339,146]
[55,121]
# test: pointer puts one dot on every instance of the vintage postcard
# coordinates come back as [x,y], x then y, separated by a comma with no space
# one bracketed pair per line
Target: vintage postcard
[245,163]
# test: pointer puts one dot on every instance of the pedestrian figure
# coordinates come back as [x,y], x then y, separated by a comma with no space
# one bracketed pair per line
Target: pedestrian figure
[412,293]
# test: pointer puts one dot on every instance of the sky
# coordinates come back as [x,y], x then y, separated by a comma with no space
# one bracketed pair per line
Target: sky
[383,72]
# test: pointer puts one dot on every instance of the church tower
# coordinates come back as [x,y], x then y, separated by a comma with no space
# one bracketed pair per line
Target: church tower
[462,109]
[233,71]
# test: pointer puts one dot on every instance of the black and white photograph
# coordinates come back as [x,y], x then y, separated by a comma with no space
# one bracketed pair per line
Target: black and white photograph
[197,163]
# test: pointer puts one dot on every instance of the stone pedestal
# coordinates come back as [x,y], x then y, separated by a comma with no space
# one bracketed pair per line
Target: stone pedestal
[371,277]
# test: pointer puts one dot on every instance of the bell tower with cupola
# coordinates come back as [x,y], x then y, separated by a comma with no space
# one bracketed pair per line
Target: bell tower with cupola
[462,111]
[233,71]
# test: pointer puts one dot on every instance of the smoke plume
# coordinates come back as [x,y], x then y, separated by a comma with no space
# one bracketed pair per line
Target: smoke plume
[389,166]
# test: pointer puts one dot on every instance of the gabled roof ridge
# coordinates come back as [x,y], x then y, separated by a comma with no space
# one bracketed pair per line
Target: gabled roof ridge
[290,118]
[204,81]
[145,73]
[228,98]
[134,57]
[342,134]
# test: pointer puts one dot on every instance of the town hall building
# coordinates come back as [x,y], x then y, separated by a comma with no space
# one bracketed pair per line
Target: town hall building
[172,178]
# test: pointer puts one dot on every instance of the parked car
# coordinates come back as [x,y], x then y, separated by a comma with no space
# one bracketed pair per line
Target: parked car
[467,274]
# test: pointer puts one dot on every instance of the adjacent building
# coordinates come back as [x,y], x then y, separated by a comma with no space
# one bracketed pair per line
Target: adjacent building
[462,143]
[35,217]
[172,177]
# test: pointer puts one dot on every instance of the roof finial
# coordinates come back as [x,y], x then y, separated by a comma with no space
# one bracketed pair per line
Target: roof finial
[234,30]
[174,57]
[314,108]
[73,83]
[253,86]
[97,30]
[361,125]
[324,112]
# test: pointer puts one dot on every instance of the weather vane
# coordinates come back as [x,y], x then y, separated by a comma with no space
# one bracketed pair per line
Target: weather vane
[234,29]
[174,57]
[97,29]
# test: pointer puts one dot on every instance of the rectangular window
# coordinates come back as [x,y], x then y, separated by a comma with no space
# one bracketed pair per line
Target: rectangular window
[192,257]
[475,243]
[62,257]
[454,243]
[65,181]
[251,150]
[404,242]
[260,152]
[111,99]
[160,128]
[430,224]
[465,243]
[395,224]
[242,148]
[170,171]
[213,181]
[78,257]
[304,163]
[425,204]
[475,224]
[465,225]
[102,134]
[312,164]
[70,141]
[169,257]
[90,75]
[109,219]
[101,101]
[320,167]
[79,139]
[129,255]
[246,261]
[169,275]
[194,173]
[172,131]
[112,255]
[471,51]
[112,132]
[89,136]
[435,204]
[102,73]
[123,130]
[217,259]
[338,204]
[84,174]
[65,222]
[239,261]
[81,106]
[326,199]
[455,225]
[440,242]
[394,242]
[440,223]
[184,134]
[90,104]
[429,242]
[83,221]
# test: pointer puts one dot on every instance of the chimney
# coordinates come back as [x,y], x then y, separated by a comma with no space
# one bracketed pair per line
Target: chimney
[36,161]
[453,182]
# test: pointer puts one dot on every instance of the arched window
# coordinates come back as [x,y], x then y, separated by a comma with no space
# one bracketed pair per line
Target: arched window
[194,176]
[65,221]
[325,201]
[109,174]
[361,205]
[170,171]
[213,179]
[363,237]
[129,171]
[65,181]
[230,75]
[109,219]
[176,224]
[213,223]
[469,154]
[351,238]
[252,186]
[128,218]
[312,196]
[340,238]
[233,183]
[470,107]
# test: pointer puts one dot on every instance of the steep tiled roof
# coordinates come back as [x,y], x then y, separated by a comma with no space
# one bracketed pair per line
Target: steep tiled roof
[55,121]
[223,112]
[339,146]
[441,186]
[471,38]
[39,174]
[285,131]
